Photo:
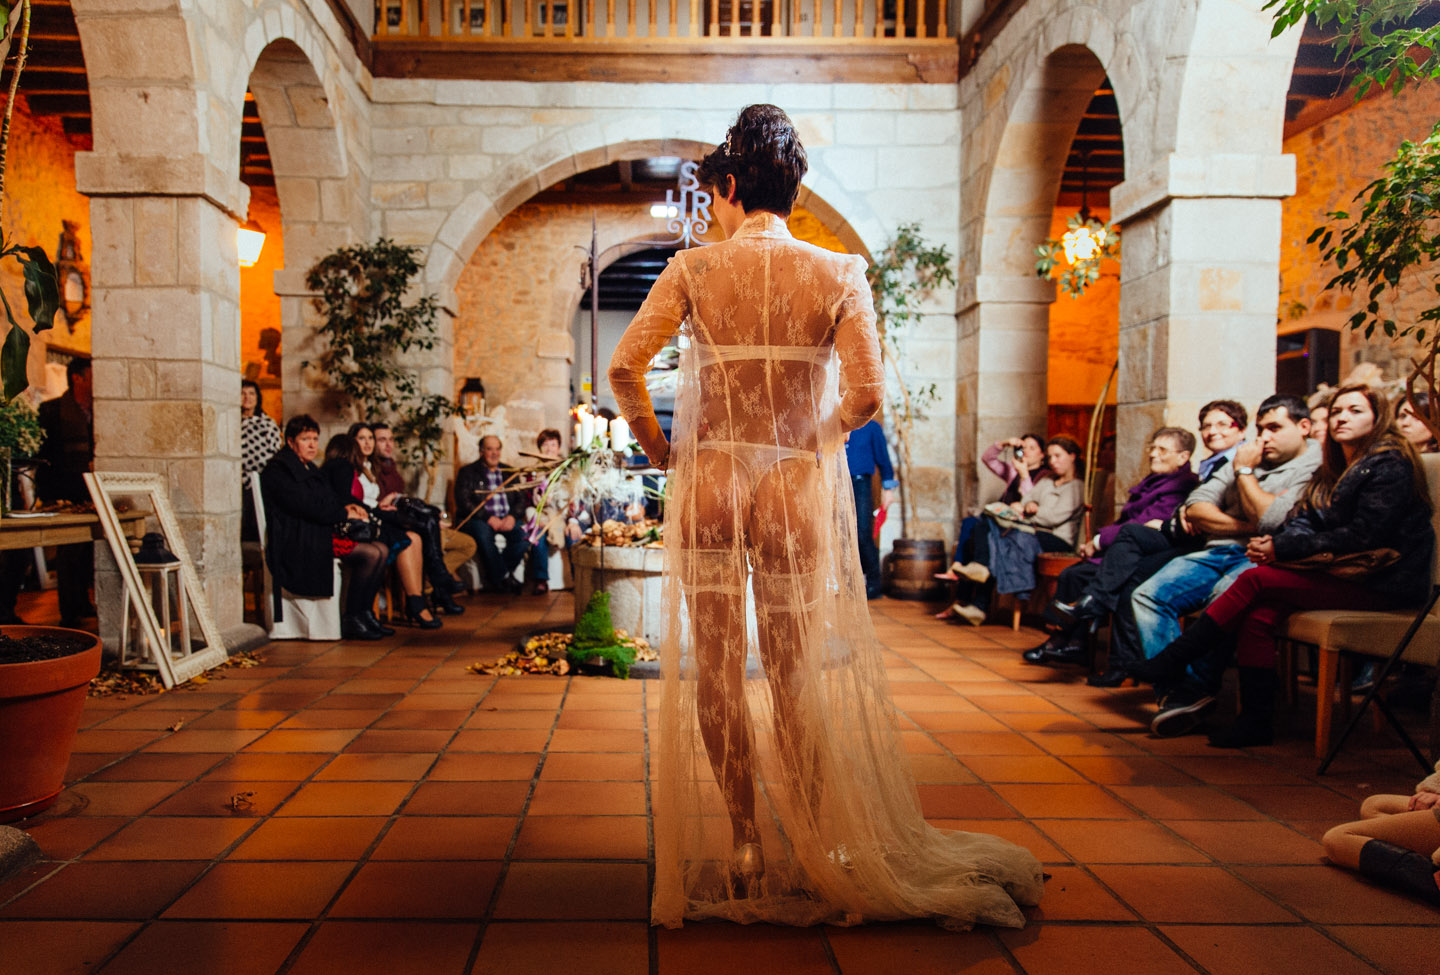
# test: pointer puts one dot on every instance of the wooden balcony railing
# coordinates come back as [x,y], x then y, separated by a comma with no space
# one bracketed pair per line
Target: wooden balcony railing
[440,38]
[597,20]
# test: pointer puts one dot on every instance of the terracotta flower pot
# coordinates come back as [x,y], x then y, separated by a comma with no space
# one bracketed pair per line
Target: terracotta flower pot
[40,705]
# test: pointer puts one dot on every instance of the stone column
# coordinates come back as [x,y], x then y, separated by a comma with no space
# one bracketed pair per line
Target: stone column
[1004,335]
[1199,290]
[166,345]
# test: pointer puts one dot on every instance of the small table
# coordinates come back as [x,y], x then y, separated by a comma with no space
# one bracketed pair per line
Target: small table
[63,528]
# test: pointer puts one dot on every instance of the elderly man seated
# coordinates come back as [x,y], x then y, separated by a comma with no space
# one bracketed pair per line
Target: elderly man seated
[502,513]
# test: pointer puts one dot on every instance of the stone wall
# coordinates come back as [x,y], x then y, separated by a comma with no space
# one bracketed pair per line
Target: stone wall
[1334,161]
[40,193]
[453,158]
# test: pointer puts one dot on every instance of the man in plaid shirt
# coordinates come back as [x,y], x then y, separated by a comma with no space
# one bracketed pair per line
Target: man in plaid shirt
[503,513]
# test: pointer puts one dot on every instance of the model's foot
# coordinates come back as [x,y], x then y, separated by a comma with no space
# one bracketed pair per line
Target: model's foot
[1181,712]
[747,870]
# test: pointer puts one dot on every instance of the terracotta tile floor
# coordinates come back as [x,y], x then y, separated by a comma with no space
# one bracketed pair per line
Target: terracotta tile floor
[364,808]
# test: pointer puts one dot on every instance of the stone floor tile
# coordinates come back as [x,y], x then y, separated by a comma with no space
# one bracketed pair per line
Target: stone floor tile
[479,766]
[593,767]
[217,797]
[1203,894]
[1084,949]
[397,740]
[597,741]
[313,719]
[1017,831]
[446,838]
[492,719]
[1128,770]
[970,743]
[346,799]
[151,767]
[60,947]
[502,740]
[1072,894]
[938,769]
[576,837]
[423,720]
[1064,802]
[1244,842]
[204,740]
[963,801]
[387,948]
[1185,802]
[595,948]
[955,721]
[916,949]
[1021,768]
[376,767]
[1395,949]
[211,947]
[727,949]
[575,891]
[172,838]
[116,798]
[1272,949]
[590,798]
[310,838]
[309,740]
[270,891]
[421,889]
[105,891]
[278,767]
[1119,841]
[468,799]
[67,837]
[1330,895]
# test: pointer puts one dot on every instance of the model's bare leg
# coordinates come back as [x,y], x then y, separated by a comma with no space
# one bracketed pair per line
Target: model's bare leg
[714,582]
[1386,818]
[784,547]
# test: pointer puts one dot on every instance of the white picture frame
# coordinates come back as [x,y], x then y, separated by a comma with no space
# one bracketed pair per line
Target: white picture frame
[173,668]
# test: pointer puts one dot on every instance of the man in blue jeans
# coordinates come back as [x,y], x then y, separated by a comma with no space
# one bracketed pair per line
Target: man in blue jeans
[865,451]
[1251,496]
[502,515]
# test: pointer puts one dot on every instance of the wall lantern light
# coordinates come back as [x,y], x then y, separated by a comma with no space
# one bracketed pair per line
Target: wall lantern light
[249,239]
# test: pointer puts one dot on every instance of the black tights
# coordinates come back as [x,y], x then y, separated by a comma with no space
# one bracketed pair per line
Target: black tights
[367,573]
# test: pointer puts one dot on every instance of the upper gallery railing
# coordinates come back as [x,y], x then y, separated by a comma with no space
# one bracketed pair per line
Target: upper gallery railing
[584,21]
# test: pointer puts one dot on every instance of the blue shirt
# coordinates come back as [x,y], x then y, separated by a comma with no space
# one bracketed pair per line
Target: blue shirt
[1208,465]
[866,450]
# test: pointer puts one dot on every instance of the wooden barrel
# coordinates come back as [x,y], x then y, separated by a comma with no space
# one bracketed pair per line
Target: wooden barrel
[913,564]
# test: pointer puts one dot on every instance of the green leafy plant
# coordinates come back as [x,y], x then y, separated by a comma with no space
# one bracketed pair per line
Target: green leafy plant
[20,430]
[369,324]
[595,637]
[1083,271]
[1398,227]
[905,273]
[42,287]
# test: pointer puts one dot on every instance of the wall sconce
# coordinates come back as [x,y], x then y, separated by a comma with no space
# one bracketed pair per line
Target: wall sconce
[72,273]
[472,397]
[249,239]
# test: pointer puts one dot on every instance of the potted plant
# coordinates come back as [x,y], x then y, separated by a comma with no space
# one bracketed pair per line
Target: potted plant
[44,671]
[901,278]
[20,437]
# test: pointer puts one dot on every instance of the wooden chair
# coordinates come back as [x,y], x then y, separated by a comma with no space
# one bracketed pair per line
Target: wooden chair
[1408,636]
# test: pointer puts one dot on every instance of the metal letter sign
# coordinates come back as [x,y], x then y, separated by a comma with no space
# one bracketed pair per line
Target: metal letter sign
[692,209]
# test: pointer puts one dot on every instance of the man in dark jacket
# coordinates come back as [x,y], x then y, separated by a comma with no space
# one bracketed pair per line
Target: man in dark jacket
[65,458]
[502,514]
[301,511]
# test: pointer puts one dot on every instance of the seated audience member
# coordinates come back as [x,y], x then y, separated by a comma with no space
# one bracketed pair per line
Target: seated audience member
[260,439]
[865,454]
[1049,510]
[547,522]
[420,517]
[1395,842]
[347,467]
[1410,425]
[1019,462]
[1222,426]
[1368,500]
[1152,501]
[502,514]
[1318,402]
[1251,496]
[301,512]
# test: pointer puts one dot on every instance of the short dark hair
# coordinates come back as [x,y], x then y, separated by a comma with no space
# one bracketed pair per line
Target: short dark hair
[1038,438]
[1293,405]
[549,433]
[1229,407]
[340,447]
[259,396]
[377,425]
[1184,439]
[763,153]
[75,367]
[300,423]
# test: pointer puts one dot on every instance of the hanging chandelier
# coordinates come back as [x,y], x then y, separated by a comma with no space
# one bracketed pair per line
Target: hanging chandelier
[1084,245]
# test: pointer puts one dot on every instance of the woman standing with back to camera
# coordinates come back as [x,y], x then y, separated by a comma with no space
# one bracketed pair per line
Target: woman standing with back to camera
[824,819]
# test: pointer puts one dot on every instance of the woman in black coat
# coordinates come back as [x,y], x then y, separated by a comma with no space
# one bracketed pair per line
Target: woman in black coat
[301,511]
[1368,500]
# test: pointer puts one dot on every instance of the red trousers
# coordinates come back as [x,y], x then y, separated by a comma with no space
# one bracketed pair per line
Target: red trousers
[1257,604]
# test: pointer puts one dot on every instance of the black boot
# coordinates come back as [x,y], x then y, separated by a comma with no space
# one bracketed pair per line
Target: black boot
[414,607]
[1167,667]
[1256,723]
[1401,869]
[1075,650]
[1056,641]
[445,603]
[1087,607]
[442,580]
[374,623]
[356,628]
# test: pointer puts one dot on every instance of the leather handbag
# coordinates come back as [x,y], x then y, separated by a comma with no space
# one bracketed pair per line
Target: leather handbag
[1350,565]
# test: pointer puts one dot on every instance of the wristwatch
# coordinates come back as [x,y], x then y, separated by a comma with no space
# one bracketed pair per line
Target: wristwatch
[1244,470]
